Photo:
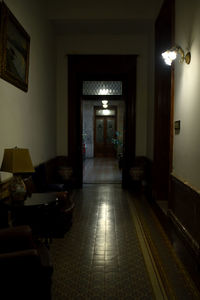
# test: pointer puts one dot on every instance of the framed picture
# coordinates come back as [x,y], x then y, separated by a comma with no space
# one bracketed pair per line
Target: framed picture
[14,50]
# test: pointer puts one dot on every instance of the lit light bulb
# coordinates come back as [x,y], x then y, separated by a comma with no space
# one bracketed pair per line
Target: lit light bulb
[105,105]
[104,101]
[172,55]
[169,56]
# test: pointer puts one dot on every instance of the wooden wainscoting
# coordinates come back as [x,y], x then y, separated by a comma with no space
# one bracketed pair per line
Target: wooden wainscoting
[185,212]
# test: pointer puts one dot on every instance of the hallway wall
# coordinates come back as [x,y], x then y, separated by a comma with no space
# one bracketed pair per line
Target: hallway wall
[186,159]
[28,119]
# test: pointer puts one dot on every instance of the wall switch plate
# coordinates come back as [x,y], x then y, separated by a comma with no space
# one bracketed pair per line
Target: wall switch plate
[177,126]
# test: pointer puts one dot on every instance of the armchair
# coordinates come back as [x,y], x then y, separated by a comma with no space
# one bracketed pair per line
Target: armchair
[25,268]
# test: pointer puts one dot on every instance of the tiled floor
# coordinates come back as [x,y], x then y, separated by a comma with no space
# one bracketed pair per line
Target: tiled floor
[101,170]
[100,257]
[116,248]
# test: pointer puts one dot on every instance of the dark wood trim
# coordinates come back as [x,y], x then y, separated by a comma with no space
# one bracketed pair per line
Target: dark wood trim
[184,232]
[98,67]
[100,97]
[164,103]
[185,211]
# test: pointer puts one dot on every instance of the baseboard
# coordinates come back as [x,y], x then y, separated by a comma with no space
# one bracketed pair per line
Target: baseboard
[187,237]
[184,208]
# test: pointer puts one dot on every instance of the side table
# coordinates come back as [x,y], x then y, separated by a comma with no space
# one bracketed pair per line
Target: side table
[36,211]
[40,199]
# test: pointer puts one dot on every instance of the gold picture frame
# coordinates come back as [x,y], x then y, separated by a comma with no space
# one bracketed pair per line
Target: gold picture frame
[14,50]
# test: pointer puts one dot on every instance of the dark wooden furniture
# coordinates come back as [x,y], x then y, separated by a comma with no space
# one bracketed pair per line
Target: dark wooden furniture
[55,175]
[138,172]
[25,267]
[48,214]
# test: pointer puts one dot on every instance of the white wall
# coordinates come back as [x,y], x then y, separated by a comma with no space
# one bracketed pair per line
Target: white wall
[88,127]
[103,44]
[28,119]
[186,158]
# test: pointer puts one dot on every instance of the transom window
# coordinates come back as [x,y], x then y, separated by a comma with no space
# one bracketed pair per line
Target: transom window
[109,88]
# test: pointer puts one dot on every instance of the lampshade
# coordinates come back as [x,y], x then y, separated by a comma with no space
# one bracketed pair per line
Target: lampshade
[17,161]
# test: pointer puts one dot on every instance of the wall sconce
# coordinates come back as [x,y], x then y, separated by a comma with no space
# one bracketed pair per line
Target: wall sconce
[171,55]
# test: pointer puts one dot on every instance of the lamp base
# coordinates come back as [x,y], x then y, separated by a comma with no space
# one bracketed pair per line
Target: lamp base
[18,189]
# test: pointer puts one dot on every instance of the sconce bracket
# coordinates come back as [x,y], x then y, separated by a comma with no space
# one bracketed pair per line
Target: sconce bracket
[188,58]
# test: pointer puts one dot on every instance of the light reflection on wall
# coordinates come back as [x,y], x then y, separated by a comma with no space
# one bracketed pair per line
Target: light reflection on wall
[105,112]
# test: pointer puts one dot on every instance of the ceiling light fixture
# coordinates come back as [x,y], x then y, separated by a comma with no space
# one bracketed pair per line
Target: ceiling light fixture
[104,101]
[171,55]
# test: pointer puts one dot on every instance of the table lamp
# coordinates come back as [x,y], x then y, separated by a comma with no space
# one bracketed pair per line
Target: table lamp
[17,161]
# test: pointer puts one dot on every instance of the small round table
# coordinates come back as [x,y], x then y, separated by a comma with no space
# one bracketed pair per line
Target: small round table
[38,212]
[40,199]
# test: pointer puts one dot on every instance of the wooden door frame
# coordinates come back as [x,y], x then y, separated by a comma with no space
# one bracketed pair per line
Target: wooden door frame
[100,67]
[164,103]
[104,117]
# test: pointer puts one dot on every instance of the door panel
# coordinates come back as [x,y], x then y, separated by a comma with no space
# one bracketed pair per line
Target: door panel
[99,131]
[110,130]
[105,128]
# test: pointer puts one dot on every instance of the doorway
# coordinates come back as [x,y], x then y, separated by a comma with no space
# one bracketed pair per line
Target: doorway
[100,67]
[102,141]
[104,132]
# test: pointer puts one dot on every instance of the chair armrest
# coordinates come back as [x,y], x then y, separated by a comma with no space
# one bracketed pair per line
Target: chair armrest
[19,259]
[24,230]
[25,259]
[16,238]
[21,271]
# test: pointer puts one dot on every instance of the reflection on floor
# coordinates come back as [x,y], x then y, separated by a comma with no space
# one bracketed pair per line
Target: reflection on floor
[116,249]
[101,170]
[100,258]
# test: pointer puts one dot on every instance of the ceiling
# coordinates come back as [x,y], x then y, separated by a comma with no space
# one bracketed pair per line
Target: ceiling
[105,16]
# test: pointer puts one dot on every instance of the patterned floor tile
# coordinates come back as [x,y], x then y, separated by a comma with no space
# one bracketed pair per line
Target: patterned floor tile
[97,256]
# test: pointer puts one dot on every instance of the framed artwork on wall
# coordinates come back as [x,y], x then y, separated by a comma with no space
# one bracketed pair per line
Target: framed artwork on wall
[14,50]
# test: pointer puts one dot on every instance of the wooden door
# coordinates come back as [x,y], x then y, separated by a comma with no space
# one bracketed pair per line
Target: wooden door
[104,132]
